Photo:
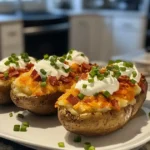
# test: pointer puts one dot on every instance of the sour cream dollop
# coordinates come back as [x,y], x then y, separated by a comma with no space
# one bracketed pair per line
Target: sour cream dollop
[21,63]
[109,84]
[77,57]
[129,71]
[50,69]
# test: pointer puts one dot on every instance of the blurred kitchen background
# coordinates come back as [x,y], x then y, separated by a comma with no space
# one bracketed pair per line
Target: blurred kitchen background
[100,28]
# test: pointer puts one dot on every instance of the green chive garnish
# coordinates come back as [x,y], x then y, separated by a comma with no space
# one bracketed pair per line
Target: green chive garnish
[128,64]
[87,145]
[133,81]
[5,74]
[44,78]
[81,96]
[11,114]
[26,60]
[43,71]
[66,70]
[118,61]
[77,139]
[82,55]
[91,148]
[111,62]
[56,67]
[77,78]
[134,74]
[71,51]
[16,127]
[61,144]
[96,94]
[90,80]
[46,56]
[69,57]
[117,74]
[25,124]
[84,86]
[61,59]
[20,116]
[122,68]
[43,84]
[106,94]
[23,128]
[7,63]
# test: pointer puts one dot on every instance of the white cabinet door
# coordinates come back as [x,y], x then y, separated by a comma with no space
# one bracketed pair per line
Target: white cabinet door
[92,34]
[128,35]
[80,31]
[11,39]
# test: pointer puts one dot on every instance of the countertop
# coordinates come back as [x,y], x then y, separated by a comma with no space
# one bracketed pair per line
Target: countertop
[6,18]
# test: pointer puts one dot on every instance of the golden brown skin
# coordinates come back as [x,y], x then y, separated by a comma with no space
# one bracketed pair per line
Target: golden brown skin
[5,87]
[41,105]
[99,123]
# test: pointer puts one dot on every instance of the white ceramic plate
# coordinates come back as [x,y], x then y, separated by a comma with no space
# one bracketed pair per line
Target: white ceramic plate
[46,132]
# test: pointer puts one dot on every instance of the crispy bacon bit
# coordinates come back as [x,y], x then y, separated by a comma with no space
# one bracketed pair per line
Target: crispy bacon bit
[85,67]
[1,75]
[65,62]
[35,76]
[29,66]
[72,99]
[11,69]
[115,104]
[125,79]
[53,80]
[14,73]
[65,79]
[72,74]
[87,100]
[83,76]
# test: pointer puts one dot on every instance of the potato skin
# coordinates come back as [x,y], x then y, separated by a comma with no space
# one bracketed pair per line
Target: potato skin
[99,123]
[5,87]
[42,105]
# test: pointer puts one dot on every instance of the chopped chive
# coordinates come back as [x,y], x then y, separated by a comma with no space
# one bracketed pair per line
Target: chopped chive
[61,144]
[118,61]
[5,74]
[46,56]
[11,114]
[69,57]
[26,60]
[101,77]
[61,59]
[81,96]
[111,62]
[23,128]
[66,70]
[44,78]
[43,84]
[133,81]
[56,67]
[134,74]
[77,139]
[96,94]
[91,148]
[115,67]
[77,78]
[84,86]
[128,64]
[122,68]
[106,94]
[25,124]
[90,80]
[16,127]
[43,71]
[82,55]
[117,74]
[20,116]
[52,63]
[87,145]
[7,63]
[24,55]
[106,74]
[13,55]
[92,73]
[71,51]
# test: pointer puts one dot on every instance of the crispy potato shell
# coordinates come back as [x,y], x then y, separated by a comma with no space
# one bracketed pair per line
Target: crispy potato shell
[99,123]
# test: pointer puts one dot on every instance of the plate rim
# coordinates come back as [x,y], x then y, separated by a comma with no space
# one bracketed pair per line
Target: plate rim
[37,145]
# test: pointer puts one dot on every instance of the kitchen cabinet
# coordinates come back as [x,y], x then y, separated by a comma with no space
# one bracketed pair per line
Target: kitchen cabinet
[92,34]
[128,34]
[101,37]
[11,38]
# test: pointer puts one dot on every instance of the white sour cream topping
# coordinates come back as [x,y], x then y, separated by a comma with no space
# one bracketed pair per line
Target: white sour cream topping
[129,71]
[21,63]
[109,84]
[77,58]
[51,70]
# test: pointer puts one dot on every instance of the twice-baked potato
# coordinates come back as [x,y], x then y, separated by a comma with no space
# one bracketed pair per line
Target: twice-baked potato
[104,101]
[10,68]
[39,89]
